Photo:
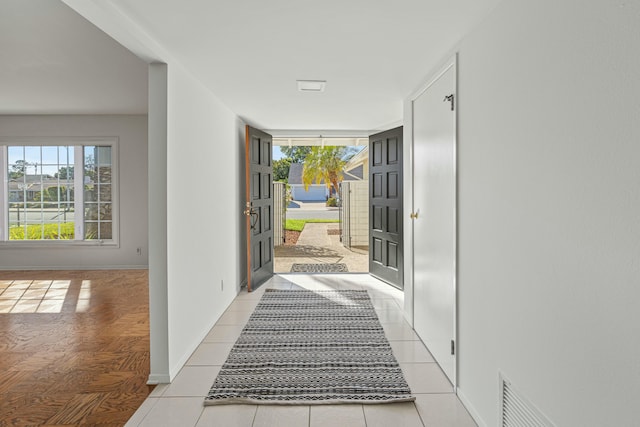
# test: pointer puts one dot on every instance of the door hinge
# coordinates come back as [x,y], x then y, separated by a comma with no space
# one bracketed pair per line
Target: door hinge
[451,99]
[453,347]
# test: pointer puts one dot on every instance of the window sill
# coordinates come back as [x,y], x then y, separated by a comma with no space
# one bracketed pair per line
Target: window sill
[68,244]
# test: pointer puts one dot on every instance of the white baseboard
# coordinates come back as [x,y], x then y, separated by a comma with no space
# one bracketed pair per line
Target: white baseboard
[155,379]
[72,267]
[469,407]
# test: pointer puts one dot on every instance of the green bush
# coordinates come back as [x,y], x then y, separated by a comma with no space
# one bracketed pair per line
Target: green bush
[332,202]
[34,232]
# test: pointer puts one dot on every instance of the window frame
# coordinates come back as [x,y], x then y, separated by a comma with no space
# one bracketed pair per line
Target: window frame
[79,144]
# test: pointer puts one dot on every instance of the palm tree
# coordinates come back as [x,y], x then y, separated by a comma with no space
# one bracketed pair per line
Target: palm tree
[324,163]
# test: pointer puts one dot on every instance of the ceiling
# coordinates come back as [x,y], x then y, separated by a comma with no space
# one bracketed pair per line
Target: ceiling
[52,61]
[249,53]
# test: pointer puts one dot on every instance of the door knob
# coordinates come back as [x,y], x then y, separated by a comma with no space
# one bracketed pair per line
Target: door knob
[414,215]
[249,209]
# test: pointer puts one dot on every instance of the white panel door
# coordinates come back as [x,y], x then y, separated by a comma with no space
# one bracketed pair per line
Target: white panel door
[434,229]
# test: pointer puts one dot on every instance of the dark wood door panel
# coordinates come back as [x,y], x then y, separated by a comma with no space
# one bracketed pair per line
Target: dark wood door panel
[259,207]
[385,212]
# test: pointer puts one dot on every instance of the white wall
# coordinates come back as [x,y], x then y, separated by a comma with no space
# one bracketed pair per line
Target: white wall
[204,221]
[549,210]
[158,281]
[132,152]
[196,151]
[359,213]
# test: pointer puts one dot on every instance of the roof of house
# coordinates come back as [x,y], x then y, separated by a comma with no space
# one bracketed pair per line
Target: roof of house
[355,174]
[295,174]
[359,159]
[32,182]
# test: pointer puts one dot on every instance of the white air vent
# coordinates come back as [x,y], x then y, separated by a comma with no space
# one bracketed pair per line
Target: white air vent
[311,85]
[516,410]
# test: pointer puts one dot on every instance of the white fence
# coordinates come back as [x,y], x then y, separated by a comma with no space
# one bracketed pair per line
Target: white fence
[354,215]
[279,212]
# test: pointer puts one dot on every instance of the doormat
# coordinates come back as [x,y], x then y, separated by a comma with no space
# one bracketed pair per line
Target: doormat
[336,267]
[311,347]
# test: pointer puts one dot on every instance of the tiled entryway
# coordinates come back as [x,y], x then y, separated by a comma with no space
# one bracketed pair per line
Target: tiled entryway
[181,402]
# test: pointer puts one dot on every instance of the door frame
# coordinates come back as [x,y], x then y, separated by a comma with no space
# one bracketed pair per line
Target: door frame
[409,303]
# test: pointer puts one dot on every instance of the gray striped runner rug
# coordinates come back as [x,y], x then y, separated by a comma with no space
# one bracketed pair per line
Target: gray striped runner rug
[311,347]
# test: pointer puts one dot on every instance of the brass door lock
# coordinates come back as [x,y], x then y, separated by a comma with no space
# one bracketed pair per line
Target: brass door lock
[250,212]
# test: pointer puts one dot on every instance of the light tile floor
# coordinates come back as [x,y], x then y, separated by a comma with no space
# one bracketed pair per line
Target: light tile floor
[181,402]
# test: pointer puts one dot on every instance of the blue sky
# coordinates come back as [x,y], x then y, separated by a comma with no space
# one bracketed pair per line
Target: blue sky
[277,154]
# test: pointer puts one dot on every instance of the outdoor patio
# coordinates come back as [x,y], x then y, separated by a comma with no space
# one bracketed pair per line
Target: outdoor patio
[317,244]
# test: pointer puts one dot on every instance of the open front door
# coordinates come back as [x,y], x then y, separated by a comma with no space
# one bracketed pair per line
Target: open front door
[259,207]
[385,210]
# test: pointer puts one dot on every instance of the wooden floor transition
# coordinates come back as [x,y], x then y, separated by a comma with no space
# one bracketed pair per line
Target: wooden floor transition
[74,347]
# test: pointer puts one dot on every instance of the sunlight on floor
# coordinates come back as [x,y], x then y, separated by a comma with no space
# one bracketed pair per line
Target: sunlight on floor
[42,296]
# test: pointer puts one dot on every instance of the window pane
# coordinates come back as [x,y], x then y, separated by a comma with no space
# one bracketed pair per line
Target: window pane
[103,156]
[66,155]
[105,212]
[16,164]
[89,164]
[49,155]
[67,231]
[91,211]
[89,156]
[14,195]
[90,230]
[67,192]
[106,231]
[67,211]
[16,232]
[34,230]
[34,192]
[15,154]
[48,171]
[64,173]
[105,192]
[90,193]
[32,155]
[104,174]
[97,191]
[38,199]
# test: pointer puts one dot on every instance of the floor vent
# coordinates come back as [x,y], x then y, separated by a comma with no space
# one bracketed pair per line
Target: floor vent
[516,410]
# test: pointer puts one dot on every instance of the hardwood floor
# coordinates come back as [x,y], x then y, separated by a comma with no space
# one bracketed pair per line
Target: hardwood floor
[74,347]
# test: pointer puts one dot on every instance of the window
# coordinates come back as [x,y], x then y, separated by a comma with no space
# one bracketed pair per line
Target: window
[57,191]
[98,183]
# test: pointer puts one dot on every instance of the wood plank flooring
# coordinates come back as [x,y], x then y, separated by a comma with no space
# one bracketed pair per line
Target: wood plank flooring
[74,347]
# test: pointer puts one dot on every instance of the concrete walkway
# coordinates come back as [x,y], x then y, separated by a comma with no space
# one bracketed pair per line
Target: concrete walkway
[316,246]
[308,210]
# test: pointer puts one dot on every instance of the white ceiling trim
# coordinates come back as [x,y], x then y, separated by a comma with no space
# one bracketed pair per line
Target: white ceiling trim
[120,27]
[320,142]
[316,133]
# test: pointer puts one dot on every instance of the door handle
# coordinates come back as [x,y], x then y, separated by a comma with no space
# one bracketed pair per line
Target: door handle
[249,211]
[253,214]
[414,215]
